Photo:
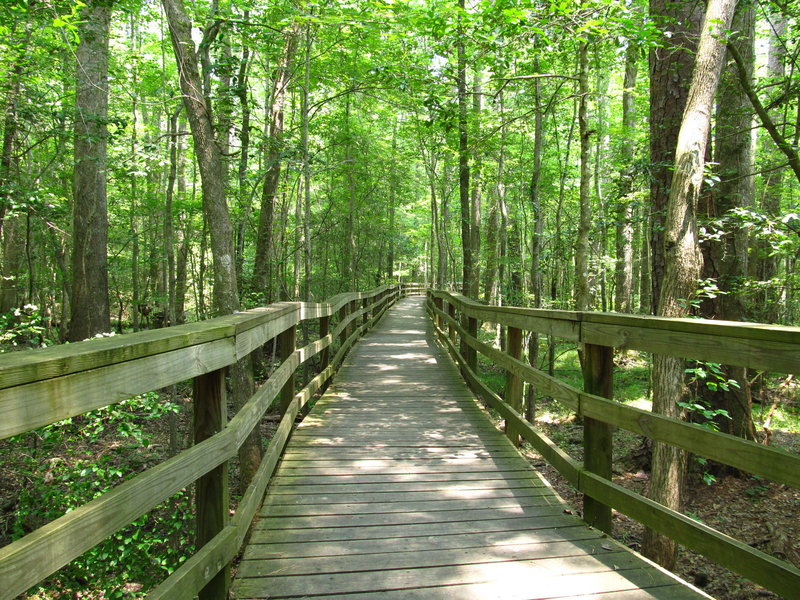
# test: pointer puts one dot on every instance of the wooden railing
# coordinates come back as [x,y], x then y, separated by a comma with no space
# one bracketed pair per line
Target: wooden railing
[40,387]
[757,346]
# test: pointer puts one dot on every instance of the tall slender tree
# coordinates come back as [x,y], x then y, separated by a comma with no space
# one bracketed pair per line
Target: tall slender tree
[683,259]
[89,302]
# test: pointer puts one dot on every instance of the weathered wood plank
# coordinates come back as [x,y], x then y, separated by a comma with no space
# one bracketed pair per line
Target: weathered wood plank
[404,530]
[387,501]
[464,488]
[543,498]
[674,591]
[513,579]
[262,547]
[547,556]
[25,407]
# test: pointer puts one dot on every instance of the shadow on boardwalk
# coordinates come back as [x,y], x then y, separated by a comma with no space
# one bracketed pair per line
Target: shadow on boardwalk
[397,486]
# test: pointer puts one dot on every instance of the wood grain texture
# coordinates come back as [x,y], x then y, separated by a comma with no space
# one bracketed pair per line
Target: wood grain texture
[397,483]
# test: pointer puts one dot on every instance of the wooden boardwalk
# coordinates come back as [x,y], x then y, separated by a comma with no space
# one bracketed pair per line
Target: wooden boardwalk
[397,486]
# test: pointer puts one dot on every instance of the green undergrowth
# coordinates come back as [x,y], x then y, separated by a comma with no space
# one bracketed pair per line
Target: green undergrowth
[55,469]
[632,387]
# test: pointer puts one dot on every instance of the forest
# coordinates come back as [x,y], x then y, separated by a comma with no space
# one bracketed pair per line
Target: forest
[169,161]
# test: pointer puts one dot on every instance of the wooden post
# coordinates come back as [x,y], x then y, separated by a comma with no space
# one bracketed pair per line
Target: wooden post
[354,322]
[325,354]
[286,346]
[341,316]
[365,302]
[437,302]
[598,379]
[472,354]
[514,383]
[211,490]
[451,310]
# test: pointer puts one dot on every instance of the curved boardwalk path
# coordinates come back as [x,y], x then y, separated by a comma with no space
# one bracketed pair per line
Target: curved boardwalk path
[397,486]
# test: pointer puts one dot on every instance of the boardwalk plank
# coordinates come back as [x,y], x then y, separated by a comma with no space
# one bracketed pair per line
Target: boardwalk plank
[489,539]
[398,487]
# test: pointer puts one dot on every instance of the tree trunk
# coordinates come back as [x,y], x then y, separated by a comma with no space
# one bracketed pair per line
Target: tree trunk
[582,291]
[767,265]
[475,194]
[671,63]
[209,159]
[212,175]
[623,279]
[463,159]
[169,221]
[90,307]
[306,173]
[536,242]
[242,92]
[683,260]
[725,258]
[262,271]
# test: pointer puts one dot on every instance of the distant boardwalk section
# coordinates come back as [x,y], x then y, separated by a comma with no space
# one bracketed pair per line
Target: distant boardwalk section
[397,486]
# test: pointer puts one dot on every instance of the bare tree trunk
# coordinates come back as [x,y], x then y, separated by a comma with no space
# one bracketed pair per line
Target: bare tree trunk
[350,250]
[463,159]
[623,281]
[670,64]
[242,92]
[262,271]
[475,194]
[773,185]
[582,291]
[536,242]
[90,307]
[306,173]
[725,259]
[211,165]
[209,158]
[683,260]
[169,221]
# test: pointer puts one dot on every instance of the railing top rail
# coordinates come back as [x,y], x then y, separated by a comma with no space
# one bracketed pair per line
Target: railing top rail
[755,345]
[17,368]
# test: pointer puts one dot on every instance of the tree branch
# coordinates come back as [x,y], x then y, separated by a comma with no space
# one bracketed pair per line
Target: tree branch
[766,120]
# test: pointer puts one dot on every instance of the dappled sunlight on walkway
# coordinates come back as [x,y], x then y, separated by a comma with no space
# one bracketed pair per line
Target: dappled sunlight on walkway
[397,486]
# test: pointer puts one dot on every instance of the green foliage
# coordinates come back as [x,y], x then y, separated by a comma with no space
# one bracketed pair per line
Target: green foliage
[22,329]
[711,375]
[69,463]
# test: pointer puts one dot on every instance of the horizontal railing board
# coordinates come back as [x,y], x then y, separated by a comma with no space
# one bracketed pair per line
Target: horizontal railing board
[753,345]
[17,368]
[32,405]
[764,461]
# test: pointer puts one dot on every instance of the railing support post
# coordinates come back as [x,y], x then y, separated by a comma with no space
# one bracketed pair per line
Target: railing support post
[437,302]
[325,353]
[514,383]
[286,346]
[451,310]
[341,316]
[469,352]
[211,490]
[598,379]
[354,323]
